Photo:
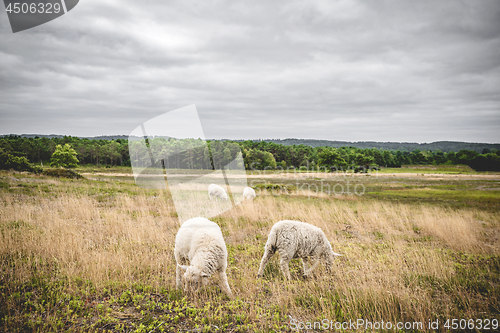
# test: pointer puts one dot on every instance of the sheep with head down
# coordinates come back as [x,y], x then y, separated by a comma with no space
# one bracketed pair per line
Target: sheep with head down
[294,239]
[249,193]
[200,252]
[216,191]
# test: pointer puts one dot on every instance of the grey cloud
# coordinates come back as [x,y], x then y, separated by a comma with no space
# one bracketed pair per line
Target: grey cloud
[344,70]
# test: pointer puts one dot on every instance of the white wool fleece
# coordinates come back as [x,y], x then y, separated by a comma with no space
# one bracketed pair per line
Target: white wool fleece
[294,239]
[249,193]
[215,191]
[200,251]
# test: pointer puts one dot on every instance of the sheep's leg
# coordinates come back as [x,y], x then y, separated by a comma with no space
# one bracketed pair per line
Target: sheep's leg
[268,253]
[308,272]
[328,264]
[178,277]
[284,267]
[304,264]
[224,285]
[284,261]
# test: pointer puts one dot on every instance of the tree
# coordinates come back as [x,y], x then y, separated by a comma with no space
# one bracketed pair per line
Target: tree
[465,157]
[331,159]
[226,153]
[19,163]
[64,156]
[259,160]
[363,160]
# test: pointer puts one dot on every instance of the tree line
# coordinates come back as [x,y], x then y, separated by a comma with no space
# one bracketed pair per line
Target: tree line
[351,157]
[444,146]
[257,155]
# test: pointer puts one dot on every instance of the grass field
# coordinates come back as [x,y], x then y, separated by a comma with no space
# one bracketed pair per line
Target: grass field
[96,254]
[445,169]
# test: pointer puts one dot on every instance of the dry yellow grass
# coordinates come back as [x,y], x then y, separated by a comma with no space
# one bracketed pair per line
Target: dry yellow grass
[397,265]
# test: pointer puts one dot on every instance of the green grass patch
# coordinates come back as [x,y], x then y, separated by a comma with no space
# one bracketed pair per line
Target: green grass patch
[441,194]
[103,169]
[445,169]
[461,197]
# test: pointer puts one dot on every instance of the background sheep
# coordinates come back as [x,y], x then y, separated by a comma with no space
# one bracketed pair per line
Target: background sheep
[215,191]
[200,244]
[249,193]
[294,239]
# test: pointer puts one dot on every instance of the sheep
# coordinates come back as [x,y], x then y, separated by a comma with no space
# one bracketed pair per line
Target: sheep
[294,239]
[249,193]
[199,241]
[217,192]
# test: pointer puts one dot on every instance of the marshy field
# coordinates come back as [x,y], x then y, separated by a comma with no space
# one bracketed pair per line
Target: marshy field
[420,247]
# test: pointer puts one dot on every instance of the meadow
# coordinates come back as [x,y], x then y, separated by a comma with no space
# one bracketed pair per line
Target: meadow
[96,254]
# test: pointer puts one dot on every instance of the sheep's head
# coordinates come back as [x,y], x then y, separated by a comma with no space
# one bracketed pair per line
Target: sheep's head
[193,278]
[330,257]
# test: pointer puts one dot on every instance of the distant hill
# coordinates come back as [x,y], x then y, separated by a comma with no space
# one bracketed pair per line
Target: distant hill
[444,146]
[51,136]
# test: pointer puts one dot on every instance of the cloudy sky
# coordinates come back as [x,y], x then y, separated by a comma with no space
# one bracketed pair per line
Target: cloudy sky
[417,71]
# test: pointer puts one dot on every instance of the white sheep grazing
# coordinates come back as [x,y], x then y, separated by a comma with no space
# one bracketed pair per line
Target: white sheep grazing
[249,193]
[294,239]
[215,191]
[200,244]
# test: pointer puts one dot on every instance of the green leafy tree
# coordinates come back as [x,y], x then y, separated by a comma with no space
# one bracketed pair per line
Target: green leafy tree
[226,156]
[363,160]
[331,159]
[18,163]
[64,156]
[5,145]
[260,160]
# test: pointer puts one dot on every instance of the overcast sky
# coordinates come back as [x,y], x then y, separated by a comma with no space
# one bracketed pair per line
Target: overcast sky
[417,71]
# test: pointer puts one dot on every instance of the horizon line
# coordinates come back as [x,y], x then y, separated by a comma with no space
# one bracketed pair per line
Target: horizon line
[257,139]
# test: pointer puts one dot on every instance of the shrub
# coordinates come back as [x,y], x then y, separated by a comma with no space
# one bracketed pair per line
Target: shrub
[18,163]
[275,187]
[65,173]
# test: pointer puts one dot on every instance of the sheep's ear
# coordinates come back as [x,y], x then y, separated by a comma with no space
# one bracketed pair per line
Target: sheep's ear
[183,267]
[336,254]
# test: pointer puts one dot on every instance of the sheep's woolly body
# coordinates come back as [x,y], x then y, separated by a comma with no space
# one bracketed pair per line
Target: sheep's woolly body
[199,243]
[249,193]
[215,191]
[294,239]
